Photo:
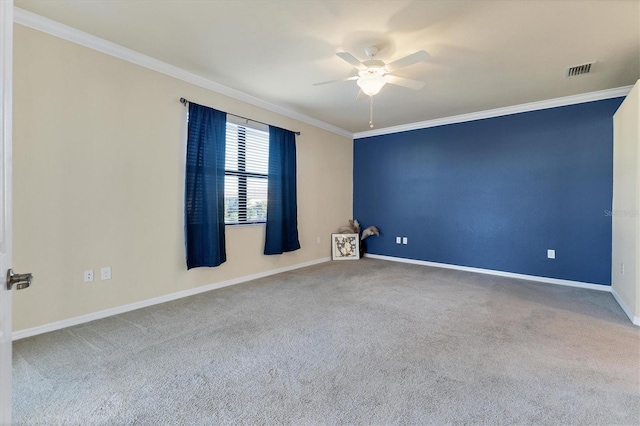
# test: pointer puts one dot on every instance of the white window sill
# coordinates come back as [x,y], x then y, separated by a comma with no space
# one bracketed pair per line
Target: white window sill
[243,225]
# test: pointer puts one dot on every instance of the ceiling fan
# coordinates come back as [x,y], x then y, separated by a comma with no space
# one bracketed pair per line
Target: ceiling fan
[373,74]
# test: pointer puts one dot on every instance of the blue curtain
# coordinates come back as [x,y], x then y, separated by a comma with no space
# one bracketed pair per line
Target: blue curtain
[282,207]
[204,187]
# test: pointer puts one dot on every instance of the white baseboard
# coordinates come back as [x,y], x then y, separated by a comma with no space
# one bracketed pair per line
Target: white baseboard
[21,334]
[625,308]
[599,287]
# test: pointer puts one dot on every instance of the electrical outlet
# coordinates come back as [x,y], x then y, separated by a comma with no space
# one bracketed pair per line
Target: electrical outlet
[551,254]
[398,240]
[622,268]
[318,240]
[105,273]
[405,240]
[88,276]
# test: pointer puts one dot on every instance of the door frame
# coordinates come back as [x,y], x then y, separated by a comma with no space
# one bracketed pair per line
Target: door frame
[6,89]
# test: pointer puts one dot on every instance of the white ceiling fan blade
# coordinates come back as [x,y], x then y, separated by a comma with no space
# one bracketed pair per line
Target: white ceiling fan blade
[361,96]
[404,82]
[350,59]
[336,81]
[414,58]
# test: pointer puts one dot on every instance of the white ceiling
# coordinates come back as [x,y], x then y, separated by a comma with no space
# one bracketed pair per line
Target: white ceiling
[484,54]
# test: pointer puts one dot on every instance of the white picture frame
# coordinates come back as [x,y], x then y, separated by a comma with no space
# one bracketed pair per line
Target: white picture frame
[345,246]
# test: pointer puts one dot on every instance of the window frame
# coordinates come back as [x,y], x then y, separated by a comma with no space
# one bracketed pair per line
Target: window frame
[241,173]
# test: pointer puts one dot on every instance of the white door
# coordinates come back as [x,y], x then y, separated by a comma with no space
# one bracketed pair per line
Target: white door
[6,55]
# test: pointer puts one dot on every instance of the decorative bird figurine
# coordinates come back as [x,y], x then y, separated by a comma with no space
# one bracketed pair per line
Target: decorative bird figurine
[352,228]
[372,230]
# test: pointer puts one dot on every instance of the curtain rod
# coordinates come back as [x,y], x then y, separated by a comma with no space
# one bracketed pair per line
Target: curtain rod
[184,102]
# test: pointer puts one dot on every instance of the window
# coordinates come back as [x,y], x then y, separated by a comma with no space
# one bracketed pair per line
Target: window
[246,168]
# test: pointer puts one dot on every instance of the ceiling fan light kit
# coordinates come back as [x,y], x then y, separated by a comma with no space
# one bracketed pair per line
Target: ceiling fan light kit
[374,74]
[371,80]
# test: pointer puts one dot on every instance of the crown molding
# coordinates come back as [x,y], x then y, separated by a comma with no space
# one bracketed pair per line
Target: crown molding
[499,112]
[54,28]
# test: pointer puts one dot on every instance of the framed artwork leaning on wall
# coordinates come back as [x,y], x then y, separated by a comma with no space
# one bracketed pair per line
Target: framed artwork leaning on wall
[345,246]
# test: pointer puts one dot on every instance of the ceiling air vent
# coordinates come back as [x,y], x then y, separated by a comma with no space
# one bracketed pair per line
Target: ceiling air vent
[579,69]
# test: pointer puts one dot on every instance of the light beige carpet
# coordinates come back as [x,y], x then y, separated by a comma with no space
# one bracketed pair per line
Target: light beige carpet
[362,342]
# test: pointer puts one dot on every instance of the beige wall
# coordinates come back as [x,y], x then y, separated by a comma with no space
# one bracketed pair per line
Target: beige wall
[626,196]
[98,181]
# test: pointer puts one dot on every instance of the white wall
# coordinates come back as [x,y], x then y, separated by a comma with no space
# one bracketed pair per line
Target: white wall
[626,205]
[99,178]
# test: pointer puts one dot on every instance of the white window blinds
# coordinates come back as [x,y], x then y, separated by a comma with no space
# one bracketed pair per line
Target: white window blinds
[246,168]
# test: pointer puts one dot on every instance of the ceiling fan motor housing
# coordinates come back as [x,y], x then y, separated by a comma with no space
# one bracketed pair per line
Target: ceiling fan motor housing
[372,71]
[373,63]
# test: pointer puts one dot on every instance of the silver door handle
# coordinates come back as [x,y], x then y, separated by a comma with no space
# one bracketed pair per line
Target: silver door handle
[20,280]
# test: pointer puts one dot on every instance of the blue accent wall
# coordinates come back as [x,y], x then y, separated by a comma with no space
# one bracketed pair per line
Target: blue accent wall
[496,193]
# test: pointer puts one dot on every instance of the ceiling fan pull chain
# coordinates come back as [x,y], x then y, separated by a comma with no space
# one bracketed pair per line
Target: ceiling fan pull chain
[371,112]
